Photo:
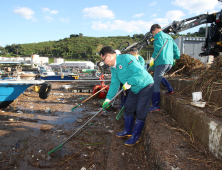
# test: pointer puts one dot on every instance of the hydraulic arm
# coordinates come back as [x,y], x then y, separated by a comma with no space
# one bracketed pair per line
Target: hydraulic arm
[213,43]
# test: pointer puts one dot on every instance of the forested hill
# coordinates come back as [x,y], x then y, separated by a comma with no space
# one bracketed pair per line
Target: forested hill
[74,47]
[79,47]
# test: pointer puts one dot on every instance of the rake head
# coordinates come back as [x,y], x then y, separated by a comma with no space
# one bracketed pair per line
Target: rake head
[121,112]
[75,107]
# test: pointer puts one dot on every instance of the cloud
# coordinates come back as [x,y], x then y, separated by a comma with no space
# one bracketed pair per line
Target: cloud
[211,11]
[131,26]
[44,10]
[161,21]
[153,15]
[138,15]
[64,20]
[174,15]
[170,16]
[196,6]
[98,12]
[153,3]
[48,18]
[27,13]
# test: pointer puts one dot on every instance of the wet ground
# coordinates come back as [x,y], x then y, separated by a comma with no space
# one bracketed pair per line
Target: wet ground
[31,127]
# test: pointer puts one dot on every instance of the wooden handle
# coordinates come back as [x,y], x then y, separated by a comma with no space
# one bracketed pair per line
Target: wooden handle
[94,94]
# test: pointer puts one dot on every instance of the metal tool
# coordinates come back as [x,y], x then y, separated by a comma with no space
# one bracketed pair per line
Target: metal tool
[85,123]
[157,54]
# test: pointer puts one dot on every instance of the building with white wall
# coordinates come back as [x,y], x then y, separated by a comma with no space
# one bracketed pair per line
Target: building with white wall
[78,64]
[35,59]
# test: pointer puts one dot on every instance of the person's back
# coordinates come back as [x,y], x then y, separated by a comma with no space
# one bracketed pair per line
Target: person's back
[169,51]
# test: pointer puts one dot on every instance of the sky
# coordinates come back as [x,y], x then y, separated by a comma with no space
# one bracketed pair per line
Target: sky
[33,21]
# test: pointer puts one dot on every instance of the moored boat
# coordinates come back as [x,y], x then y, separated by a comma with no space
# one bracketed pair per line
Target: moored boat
[11,89]
[28,76]
[59,77]
[64,74]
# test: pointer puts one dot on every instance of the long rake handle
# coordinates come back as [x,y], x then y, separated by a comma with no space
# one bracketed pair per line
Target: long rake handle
[159,52]
[85,123]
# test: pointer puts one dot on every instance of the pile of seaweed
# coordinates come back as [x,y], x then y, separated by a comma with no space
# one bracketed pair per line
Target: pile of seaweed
[187,66]
[209,79]
[217,64]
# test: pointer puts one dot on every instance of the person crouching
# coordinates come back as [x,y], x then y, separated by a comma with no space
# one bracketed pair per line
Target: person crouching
[127,70]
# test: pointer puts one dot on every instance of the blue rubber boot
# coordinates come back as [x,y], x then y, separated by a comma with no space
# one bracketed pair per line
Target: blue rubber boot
[167,85]
[155,102]
[129,122]
[136,133]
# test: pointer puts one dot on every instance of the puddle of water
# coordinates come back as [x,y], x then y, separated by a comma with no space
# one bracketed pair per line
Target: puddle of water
[63,118]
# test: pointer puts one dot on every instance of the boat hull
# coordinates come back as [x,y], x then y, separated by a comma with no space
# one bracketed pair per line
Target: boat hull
[5,103]
[59,77]
[10,89]
[10,92]
[28,76]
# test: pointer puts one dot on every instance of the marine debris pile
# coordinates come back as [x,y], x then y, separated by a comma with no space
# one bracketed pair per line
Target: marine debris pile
[186,66]
[205,80]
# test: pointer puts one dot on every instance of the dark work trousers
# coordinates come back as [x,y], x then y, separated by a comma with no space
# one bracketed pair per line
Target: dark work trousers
[139,102]
[158,75]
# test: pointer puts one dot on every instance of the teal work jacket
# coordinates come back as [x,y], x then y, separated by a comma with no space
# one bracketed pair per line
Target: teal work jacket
[141,61]
[170,51]
[129,70]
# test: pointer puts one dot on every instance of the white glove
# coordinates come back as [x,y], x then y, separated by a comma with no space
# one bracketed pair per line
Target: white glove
[105,103]
[126,86]
[151,63]
[107,100]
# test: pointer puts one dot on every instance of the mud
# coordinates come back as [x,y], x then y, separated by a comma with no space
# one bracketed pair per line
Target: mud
[31,127]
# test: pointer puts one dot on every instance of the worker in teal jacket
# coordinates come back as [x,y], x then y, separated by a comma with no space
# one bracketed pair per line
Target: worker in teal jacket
[126,69]
[134,52]
[163,63]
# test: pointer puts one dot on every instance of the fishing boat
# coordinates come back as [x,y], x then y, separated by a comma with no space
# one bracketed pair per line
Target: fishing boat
[48,74]
[28,76]
[11,89]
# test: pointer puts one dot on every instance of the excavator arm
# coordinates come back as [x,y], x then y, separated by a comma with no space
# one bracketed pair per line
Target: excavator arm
[212,45]
[213,38]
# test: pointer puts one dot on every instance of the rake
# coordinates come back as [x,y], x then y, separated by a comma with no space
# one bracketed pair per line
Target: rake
[85,123]
[87,99]
[121,112]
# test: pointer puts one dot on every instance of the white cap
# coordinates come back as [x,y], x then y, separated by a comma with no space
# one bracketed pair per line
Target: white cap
[117,52]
